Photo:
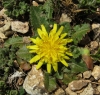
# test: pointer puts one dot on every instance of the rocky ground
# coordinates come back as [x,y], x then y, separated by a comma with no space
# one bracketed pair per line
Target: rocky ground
[87,84]
[32,80]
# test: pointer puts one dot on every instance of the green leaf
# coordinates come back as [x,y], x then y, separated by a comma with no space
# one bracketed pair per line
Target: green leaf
[85,51]
[48,8]
[46,80]
[58,75]
[37,18]
[16,41]
[21,91]
[23,53]
[49,82]
[13,92]
[14,8]
[75,51]
[80,32]
[89,3]
[8,3]
[52,84]
[66,70]
[67,28]
[78,66]
[68,78]
[2,83]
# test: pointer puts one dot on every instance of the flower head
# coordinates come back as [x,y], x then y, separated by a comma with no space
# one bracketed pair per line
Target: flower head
[50,48]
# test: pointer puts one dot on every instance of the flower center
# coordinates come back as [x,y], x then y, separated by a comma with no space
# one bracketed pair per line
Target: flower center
[50,50]
[49,46]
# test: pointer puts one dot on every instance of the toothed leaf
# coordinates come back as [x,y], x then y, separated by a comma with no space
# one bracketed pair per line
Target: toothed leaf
[80,32]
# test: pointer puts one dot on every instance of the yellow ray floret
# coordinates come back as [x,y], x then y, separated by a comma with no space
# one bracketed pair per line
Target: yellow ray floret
[50,48]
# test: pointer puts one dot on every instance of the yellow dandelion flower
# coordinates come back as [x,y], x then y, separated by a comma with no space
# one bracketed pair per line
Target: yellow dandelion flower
[50,48]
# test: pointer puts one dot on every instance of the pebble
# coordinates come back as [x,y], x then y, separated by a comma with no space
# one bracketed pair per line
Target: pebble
[41,0]
[70,92]
[99,81]
[34,3]
[59,91]
[95,25]
[65,18]
[77,84]
[94,45]
[96,72]
[96,92]
[88,90]
[33,83]
[19,26]
[26,39]
[92,79]
[80,76]
[4,28]
[98,88]
[87,74]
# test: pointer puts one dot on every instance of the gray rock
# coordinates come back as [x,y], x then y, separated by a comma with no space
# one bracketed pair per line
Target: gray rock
[33,83]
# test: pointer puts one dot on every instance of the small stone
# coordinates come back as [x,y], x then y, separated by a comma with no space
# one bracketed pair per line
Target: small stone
[77,84]
[2,36]
[33,83]
[35,3]
[60,91]
[26,40]
[88,90]
[94,85]
[2,13]
[87,74]
[19,26]
[1,23]
[94,25]
[91,79]
[65,18]
[94,45]
[99,80]
[96,72]
[70,92]
[98,10]
[9,33]
[6,26]
[20,81]
[98,88]
[96,92]
[80,76]
[41,0]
